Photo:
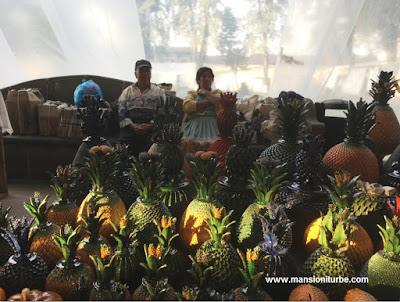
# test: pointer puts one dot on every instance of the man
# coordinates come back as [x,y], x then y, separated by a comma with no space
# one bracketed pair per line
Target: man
[136,107]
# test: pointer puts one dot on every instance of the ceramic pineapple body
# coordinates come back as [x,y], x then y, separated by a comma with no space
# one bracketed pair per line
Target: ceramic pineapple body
[307,292]
[386,134]
[352,155]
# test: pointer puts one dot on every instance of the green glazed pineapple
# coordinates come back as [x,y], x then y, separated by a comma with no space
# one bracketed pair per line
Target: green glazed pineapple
[5,247]
[330,260]
[292,111]
[192,229]
[176,190]
[64,210]
[68,272]
[105,288]
[219,253]
[24,268]
[383,268]
[125,261]
[43,231]
[155,286]
[267,179]
[101,167]
[92,242]
[148,207]
[233,191]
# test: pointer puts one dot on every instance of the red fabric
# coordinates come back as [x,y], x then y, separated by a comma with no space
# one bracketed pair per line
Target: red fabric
[221,146]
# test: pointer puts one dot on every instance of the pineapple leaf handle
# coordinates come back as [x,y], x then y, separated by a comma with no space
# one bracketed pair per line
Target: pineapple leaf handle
[391,238]
[200,275]
[37,209]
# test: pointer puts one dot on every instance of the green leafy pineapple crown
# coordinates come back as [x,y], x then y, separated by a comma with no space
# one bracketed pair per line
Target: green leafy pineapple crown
[360,120]
[166,230]
[266,179]
[205,168]
[100,167]
[60,182]
[335,231]
[166,113]
[343,188]
[68,241]
[249,272]
[38,209]
[218,226]
[292,114]
[391,238]
[145,172]
[383,90]
[125,235]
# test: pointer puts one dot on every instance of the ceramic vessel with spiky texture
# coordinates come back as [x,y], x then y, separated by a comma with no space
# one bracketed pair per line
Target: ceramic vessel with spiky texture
[24,268]
[383,268]
[192,229]
[292,111]
[267,178]
[63,210]
[386,134]
[66,274]
[43,231]
[219,253]
[100,167]
[233,191]
[352,155]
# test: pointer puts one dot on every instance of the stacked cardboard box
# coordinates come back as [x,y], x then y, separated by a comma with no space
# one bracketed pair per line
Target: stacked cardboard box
[49,118]
[70,125]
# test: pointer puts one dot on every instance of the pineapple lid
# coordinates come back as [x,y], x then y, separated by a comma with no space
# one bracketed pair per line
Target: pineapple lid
[384,89]
[391,238]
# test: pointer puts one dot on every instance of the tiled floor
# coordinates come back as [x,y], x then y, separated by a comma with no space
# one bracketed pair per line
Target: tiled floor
[18,193]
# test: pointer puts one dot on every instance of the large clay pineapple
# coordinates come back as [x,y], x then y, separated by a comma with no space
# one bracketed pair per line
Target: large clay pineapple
[383,269]
[148,207]
[292,111]
[386,134]
[100,168]
[64,210]
[219,253]
[352,155]
[233,191]
[66,274]
[24,268]
[342,194]
[192,229]
[43,231]
[329,260]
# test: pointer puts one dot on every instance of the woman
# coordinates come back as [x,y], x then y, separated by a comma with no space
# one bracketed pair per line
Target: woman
[200,109]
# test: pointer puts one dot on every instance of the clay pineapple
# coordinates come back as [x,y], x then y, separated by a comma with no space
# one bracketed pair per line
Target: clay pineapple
[352,154]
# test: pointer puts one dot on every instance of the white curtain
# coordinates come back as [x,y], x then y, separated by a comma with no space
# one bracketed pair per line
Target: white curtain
[46,38]
[333,48]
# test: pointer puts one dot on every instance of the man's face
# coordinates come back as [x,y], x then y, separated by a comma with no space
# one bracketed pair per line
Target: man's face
[143,74]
